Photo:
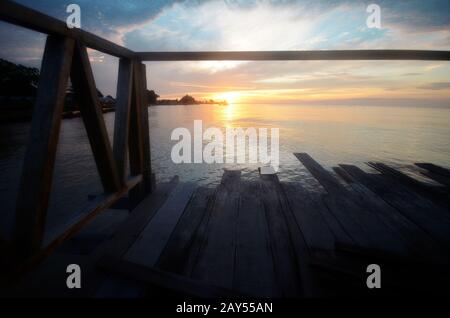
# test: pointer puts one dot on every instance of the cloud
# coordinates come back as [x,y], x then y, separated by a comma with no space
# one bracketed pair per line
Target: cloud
[257,25]
[436,86]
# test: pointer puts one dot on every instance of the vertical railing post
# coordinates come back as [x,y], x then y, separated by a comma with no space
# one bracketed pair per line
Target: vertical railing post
[139,142]
[36,179]
[147,175]
[122,118]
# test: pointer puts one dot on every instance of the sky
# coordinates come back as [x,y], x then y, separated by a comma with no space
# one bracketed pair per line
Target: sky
[196,25]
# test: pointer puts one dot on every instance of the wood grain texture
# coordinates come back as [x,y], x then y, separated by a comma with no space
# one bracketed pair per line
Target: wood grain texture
[216,257]
[122,118]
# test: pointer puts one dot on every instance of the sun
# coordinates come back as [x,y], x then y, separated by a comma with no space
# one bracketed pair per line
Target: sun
[229,97]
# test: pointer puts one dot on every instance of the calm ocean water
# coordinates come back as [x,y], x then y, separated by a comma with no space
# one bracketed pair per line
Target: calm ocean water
[331,134]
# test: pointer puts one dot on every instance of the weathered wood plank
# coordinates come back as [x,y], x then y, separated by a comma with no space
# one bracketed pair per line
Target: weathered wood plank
[37,173]
[180,249]
[364,228]
[423,214]
[330,183]
[126,235]
[281,237]
[86,95]
[308,210]
[438,178]
[254,268]
[434,193]
[435,169]
[416,240]
[216,257]
[122,117]
[200,236]
[153,239]
[180,285]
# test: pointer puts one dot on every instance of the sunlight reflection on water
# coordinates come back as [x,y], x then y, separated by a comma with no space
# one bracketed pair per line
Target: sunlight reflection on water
[331,134]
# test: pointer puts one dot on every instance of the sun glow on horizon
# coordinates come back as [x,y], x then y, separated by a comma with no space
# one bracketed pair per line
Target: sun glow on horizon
[229,97]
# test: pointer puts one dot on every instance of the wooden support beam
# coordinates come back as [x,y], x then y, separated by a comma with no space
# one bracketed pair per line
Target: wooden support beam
[122,119]
[136,155]
[37,173]
[147,172]
[86,95]
[296,55]
[139,142]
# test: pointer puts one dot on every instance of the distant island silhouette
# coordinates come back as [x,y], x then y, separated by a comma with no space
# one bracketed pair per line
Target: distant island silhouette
[185,100]
[18,88]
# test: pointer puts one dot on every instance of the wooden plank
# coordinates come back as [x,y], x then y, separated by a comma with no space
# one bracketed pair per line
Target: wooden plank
[417,241]
[438,194]
[200,236]
[153,239]
[23,16]
[296,55]
[437,173]
[86,95]
[435,169]
[126,235]
[364,228]
[254,268]
[330,183]
[180,250]
[281,236]
[122,117]
[116,246]
[37,173]
[438,178]
[309,210]
[424,215]
[179,285]
[216,257]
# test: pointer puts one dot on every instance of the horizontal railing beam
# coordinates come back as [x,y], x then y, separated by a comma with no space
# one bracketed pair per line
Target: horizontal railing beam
[422,55]
[32,19]
[20,15]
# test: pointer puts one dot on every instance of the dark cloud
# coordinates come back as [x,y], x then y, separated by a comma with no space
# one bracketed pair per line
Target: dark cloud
[104,16]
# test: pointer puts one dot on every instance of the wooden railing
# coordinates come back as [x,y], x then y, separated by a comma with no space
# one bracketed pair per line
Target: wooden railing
[66,56]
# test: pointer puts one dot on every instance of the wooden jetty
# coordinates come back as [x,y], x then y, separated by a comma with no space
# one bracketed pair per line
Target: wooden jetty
[262,238]
[265,238]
